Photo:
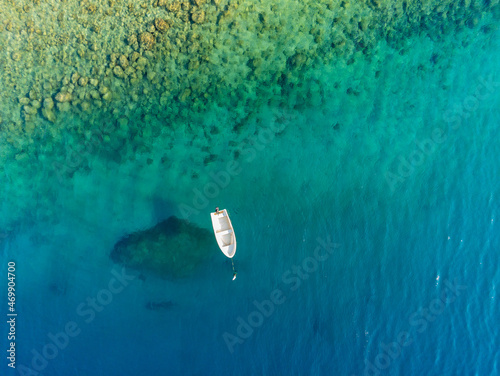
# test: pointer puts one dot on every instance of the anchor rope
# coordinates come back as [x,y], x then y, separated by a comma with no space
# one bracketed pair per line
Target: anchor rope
[234,271]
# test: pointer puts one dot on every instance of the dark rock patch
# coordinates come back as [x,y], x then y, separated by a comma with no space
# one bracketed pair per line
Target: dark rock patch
[173,248]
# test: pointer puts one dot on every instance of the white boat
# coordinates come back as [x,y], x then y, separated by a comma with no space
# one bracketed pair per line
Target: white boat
[224,232]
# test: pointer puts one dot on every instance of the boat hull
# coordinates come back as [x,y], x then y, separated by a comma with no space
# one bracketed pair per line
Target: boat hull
[224,232]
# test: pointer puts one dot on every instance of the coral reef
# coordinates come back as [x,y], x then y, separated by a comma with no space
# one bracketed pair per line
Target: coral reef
[200,51]
[171,249]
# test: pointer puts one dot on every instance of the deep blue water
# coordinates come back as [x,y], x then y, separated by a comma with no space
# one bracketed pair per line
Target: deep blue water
[405,191]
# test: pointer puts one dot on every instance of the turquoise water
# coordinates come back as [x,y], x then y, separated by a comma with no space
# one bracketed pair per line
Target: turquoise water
[391,170]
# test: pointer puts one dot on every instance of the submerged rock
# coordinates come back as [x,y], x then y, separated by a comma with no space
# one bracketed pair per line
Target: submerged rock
[161,25]
[147,40]
[171,249]
[58,289]
[156,306]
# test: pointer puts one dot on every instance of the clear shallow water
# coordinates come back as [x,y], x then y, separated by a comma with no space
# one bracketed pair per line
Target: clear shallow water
[400,243]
